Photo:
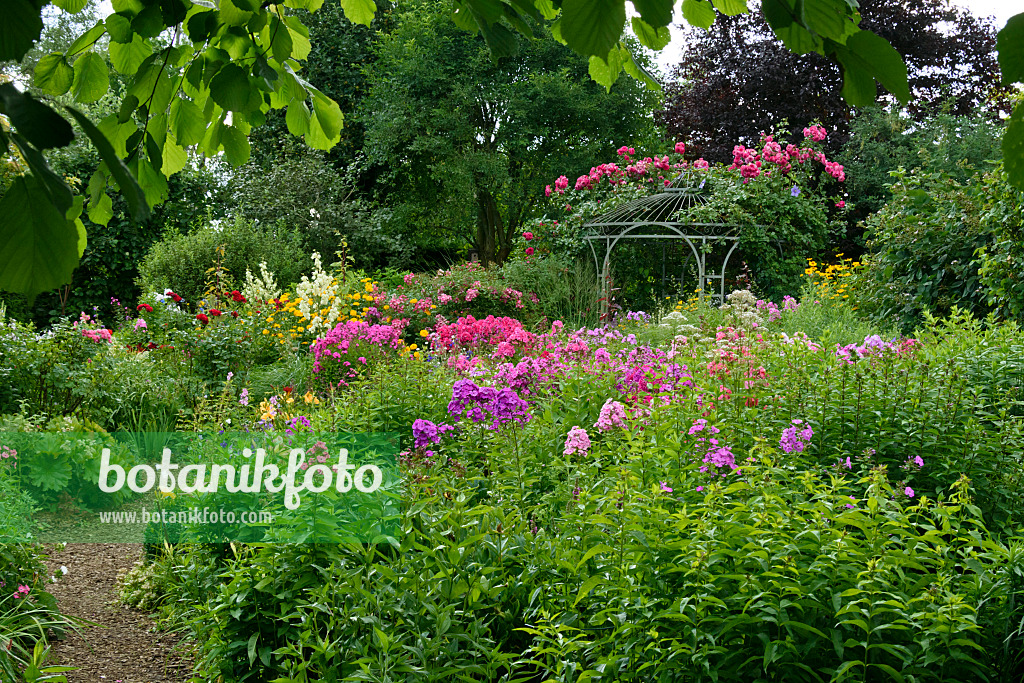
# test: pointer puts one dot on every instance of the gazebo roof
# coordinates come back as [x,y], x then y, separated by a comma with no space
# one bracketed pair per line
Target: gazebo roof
[668,208]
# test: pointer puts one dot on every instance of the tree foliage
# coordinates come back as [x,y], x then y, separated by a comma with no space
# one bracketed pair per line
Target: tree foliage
[465,144]
[737,80]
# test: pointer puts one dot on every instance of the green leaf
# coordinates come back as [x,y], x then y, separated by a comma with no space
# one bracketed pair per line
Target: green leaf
[71,6]
[101,211]
[325,124]
[359,11]
[1013,147]
[593,27]
[731,7]
[654,38]
[58,192]
[53,75]
[606,72]
[87,39]
[781,16]
[236,146]
[827,18]
[119,27]
[41,126]
[83,236]
[130,189]
[187,121]
[699,13]
[866,58]
[281,40]
[21,22]
[587,586]
[231,89]
[501,41]
[297,118]
[640,73]
[233,15]
[1010,46]
[175,157]
[38,246]
[656,13]
[151,180]
[91,78]
[128,57]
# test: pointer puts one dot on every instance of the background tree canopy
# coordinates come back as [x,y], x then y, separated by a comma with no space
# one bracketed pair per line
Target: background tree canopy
[737,81]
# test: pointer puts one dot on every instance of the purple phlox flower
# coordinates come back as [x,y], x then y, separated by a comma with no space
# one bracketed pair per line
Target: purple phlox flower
[792,441]
[665,487]
[426,432]
[613,414]
[908,492]
[918,461]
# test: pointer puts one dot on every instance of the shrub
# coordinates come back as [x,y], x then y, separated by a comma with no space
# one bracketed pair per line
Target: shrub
[182,262]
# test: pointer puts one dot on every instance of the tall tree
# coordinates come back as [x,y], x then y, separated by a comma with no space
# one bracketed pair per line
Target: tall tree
[737,80]
[466,142]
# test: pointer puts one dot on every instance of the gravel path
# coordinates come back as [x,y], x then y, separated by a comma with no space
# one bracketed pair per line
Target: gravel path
[129,649]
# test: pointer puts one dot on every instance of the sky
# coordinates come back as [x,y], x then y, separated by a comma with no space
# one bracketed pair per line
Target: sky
[1002,10]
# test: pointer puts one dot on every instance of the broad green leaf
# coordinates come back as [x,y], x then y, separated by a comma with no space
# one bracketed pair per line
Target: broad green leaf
[233,91]
[38,245]
[359,11]
[128,57]
[40,125]
[130,189]
[1010,46]
[87,39]
[149,22]
[175,158]
[866,58]
[654,38]
[91,78]
[21,23]
[101,211]
[593,27]
[297,118]
[1013,147]
[187,121]
[606,72]
[699,13]
[236,146]
[71,6]
[308,5]
[119,27]
[730,7]
[781,15]
[280,40]
[233,15]
[58,192]
[53,75]
[827,18]
[501,41]
[131,6]
[151,180]
[640,73]
[656,13]
[325,123]
[83,236]
[300,41]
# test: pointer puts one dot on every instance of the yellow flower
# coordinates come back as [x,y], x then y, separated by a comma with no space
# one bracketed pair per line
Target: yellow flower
[412,301]
[309,398]
[266,331]
[424,333]
[417,355]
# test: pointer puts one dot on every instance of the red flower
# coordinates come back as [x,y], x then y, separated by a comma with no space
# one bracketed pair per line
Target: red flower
[215,312]
[237,296]
[528,236]
[529,251]
[202,318]
[175,297]
[234,314]
[287,390]
[144,307]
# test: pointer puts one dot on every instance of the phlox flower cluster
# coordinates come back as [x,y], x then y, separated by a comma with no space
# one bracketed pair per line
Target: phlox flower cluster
[337,342]
[487,404]
[613,414]
[469,333]
[874,345]
[716,455]
[794,439]
[577,441]
[425,432]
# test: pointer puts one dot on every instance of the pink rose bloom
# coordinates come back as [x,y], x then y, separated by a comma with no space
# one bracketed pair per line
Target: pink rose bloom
[547,190]
[680,148]
[528,236]
[529,251]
